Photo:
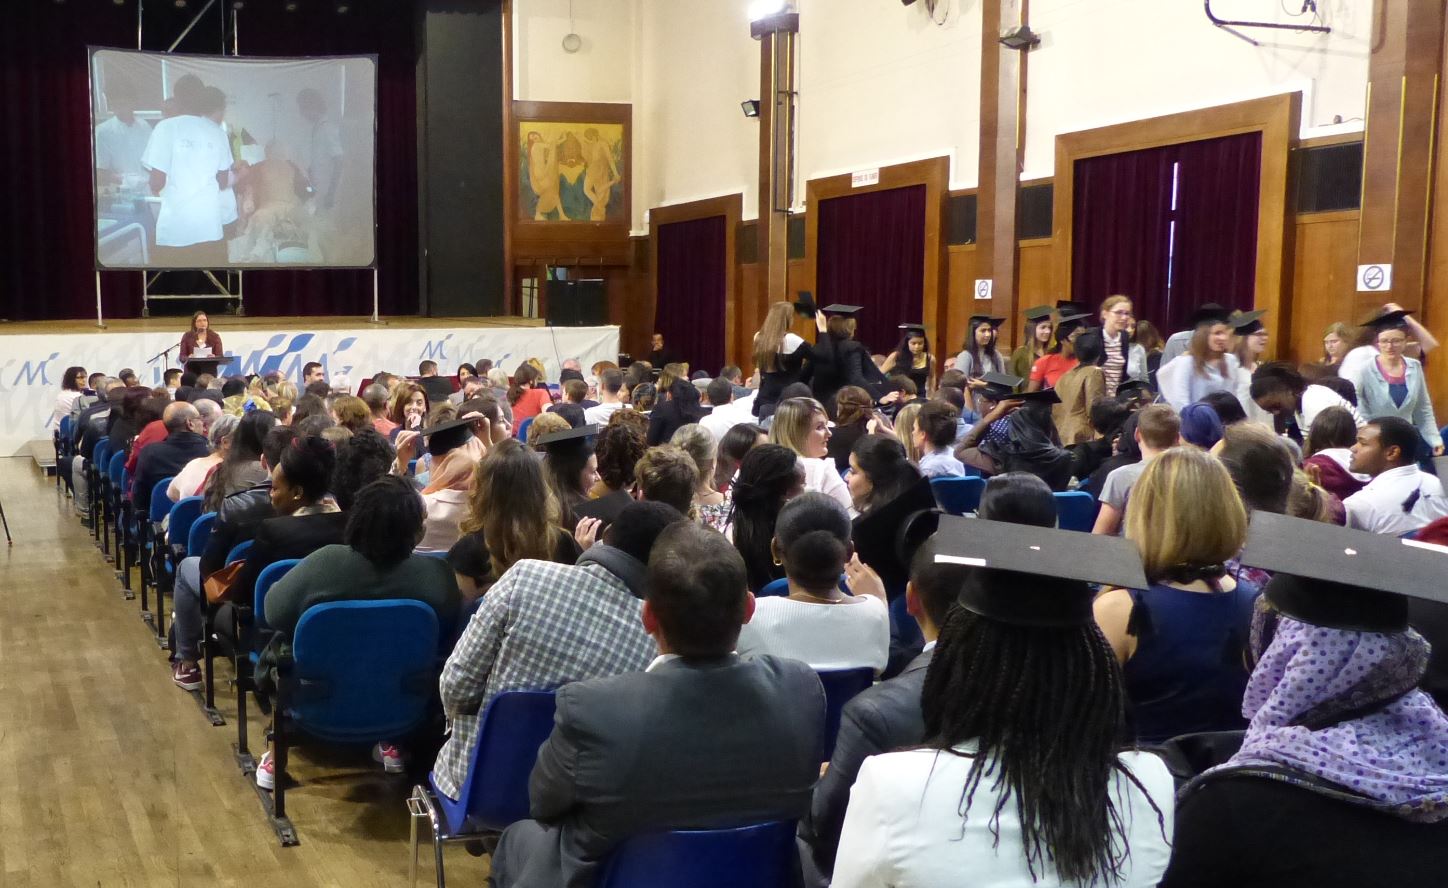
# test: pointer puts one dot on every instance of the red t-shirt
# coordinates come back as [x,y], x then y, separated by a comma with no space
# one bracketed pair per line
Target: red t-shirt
[154,431]
[533,402]
[1048,369]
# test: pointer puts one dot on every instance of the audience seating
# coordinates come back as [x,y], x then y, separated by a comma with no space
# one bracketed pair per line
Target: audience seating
[62,441]
[110,478]
[760,856]
[840,686]
[148,531]
[178,526]
[495,793]
[199,533]
[522,430]
[1075,510]
[956,495]
[244,646]
[360,672]
[93,467]
[122,527]
[779,587]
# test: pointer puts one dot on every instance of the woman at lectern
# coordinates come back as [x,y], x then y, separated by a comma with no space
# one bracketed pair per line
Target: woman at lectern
[200,336]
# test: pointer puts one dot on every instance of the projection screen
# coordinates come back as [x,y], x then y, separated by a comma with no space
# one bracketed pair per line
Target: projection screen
[220,162]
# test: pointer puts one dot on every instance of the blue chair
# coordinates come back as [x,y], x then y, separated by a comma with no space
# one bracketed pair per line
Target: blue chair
[239,551]
[100,457]
[1075,510]
[522,430]
[760,856]
[958,496]
[841,685]
[360,672]
[63,446]
[111,470]
[147,532]
[244,647]
[124,530]
[495,792]
[199,533]
[778,587]
[169,553]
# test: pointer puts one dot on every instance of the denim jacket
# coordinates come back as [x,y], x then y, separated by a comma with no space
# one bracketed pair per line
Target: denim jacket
[1374,400]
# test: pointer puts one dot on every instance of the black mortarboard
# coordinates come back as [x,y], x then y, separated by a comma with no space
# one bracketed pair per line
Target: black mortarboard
[877,533]
[1032,553]
[1048,395]
[912,329]
[805,306]
[1245,323]
[1210,313]
[569,373]
[985,319]
[1071,317]
[448,436]
[999,386]
[606,508]
[1338,578]
[1130,386]
[1388,320]
[1066,306]
[578,436]
[1038,313]
[838,309]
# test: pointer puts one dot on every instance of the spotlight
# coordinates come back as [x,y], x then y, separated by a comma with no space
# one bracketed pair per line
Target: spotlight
[1021,39]
[291,6]
[763,9]
[750,107]
[342,8]
[119,2]
[180,4]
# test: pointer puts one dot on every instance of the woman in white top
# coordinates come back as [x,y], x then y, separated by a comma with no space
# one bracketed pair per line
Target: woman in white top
[1252,339]
[1022,783]
[1121,358]
[817,623]
[802,425]
[1208,365]
[72,386]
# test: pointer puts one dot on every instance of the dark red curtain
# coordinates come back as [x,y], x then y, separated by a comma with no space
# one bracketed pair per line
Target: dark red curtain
[47,225]
[872,253]
[692,261]
[1171,227]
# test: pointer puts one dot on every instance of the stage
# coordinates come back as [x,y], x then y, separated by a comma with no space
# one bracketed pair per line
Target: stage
[34,355]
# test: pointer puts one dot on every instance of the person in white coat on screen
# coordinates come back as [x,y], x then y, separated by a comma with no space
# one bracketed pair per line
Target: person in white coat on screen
[190,163]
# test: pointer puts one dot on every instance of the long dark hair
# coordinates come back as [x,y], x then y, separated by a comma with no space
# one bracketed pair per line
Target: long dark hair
[882,459]
[733,447]
[246,447]
[978,361]
[904,360]
[1045,709]
[767,474]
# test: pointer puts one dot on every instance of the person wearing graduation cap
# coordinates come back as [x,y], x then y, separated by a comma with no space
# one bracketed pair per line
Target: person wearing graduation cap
[912,358]
[572,468]
[1031,443]
[979,354]
[1035,341]
[998,400]
[1208,366]
[1342,776]
[1023,779]
[1392,384]
[782,357]
[840,360]
[1252,339]
[455,457]
[1362,352]
[1062,356]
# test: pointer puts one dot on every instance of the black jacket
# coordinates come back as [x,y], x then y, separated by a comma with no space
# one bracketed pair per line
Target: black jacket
[164,459]
[91,427]
[282,537]
[236,522]
[842,363]
[879,719]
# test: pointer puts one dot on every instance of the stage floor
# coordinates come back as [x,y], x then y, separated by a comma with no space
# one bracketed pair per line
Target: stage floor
[223,322]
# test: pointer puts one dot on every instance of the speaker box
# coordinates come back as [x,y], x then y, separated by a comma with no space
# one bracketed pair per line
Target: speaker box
[578,303]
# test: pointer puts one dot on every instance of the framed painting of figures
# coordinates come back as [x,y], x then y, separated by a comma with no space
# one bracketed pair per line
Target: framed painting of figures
[572,163]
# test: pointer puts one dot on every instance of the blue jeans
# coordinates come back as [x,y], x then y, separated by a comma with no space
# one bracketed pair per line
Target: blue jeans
[188,618]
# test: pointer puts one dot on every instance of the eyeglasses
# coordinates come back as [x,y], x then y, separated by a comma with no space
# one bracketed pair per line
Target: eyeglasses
[1120,312]
[1395,342]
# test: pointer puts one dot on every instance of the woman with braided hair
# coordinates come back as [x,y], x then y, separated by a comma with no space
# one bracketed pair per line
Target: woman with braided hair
[1022,779]
[769,476]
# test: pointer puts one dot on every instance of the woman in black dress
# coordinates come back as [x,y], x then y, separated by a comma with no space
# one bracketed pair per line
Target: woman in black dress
[839,360]
[780,356]
[912,358]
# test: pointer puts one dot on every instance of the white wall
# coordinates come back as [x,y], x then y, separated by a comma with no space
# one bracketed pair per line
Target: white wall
[601,71]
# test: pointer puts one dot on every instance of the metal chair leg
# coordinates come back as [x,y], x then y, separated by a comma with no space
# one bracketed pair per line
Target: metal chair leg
[420,806]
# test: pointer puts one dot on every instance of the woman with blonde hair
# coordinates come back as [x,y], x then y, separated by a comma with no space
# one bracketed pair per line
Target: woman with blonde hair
[1181,641]
[802,425]
[352,413]
[712,505]
[1121,359]
[905,422]
[1337,341]
[514,512]
[779,355]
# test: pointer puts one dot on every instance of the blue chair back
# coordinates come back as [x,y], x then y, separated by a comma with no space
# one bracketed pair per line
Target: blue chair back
[183,516]
[115,470]
[411,468]
[363,670]
[774,587]
[1075,510]
[160,502]
[841,685]
[522,430]
[513,727]
[199,533]
[239,551]
[264,581]
[760,856]
[101,456]
[957,496]
[65,436]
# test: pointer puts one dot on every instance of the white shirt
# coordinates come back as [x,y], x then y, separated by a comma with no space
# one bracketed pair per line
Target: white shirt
[1354,361]
[904,827]
[1180,383]
[445,511]
[119,147]
[1317,398]
[821,476]
[726,416]
[825,636]
[190,150]
[599,414]
[1378,507]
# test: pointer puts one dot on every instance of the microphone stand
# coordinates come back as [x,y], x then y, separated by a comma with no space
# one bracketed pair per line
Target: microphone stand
[166,354]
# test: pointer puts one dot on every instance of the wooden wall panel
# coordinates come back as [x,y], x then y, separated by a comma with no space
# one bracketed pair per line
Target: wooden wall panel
[1324,282]
[960,301]
[1034,282]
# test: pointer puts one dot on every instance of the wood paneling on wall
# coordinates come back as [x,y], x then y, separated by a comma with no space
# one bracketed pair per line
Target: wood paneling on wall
[1324,282]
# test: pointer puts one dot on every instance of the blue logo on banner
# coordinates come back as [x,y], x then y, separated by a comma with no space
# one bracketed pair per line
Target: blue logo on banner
[31,372]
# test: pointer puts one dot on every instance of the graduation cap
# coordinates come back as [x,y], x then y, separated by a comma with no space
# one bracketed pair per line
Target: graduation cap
[883,534]
[1038,313]
[976,320]
[448,436]
[1030,554]
[1067,306]
[838,309]
[1388,320]
[1071,317]
[1210,313]
[1245,323]
[913,330]
[1131,386]
[1000,386]
[569,437]
[1338,578]
[1048,395]
[805,306]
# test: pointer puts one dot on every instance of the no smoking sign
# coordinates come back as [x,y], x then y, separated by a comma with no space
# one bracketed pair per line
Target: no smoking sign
[1374,278]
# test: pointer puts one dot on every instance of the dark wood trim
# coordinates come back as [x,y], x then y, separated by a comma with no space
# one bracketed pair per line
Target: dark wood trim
[1327,216]
[731,207]
[1275,117]
[511,301]
[934,174]
[1002,145]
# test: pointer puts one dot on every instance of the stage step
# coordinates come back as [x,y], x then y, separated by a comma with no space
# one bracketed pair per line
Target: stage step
[43,452]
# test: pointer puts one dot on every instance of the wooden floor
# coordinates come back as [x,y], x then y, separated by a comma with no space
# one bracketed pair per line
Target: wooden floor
[223,322]
[111,776]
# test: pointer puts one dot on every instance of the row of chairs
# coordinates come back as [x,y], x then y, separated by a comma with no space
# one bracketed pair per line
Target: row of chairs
[1075,509]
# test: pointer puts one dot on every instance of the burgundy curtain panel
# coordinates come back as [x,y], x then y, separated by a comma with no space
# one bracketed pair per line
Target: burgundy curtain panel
[47,220]
[692,262]
[1172,227]
[871,252]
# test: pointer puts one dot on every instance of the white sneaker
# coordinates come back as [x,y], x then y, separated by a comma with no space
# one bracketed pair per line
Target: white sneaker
[266,776]
[391,758]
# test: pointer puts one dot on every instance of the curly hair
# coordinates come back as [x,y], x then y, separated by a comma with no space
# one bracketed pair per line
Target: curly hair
[667,474]
[362,460]
[387,522]
[621,445]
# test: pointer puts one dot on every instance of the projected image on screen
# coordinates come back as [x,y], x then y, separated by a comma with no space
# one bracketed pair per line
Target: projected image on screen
[205,162]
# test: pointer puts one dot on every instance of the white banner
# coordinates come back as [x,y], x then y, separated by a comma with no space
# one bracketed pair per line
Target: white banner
[31,366]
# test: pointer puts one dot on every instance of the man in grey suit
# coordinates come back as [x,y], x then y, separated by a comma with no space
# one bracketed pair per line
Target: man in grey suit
[879,719]
[700,739]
